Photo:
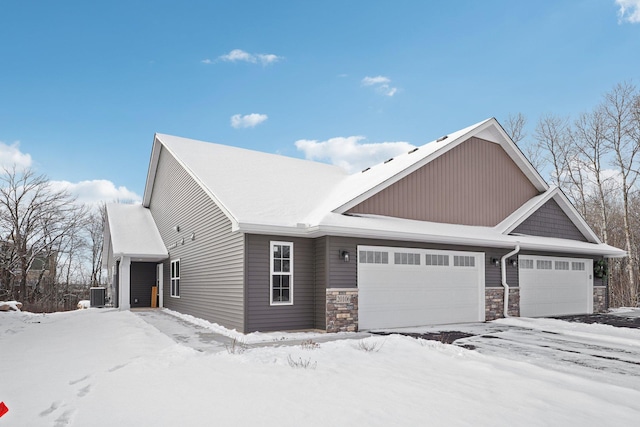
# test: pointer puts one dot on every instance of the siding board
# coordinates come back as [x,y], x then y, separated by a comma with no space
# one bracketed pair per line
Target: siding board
[261,316]
[475,183]
[211,265]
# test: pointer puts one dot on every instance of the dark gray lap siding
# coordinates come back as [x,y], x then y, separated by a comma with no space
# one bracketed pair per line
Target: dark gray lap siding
[260,315]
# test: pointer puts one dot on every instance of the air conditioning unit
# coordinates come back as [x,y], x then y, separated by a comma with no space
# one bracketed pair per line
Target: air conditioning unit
[97,297]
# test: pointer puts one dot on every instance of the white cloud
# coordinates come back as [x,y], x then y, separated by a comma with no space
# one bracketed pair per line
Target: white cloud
[248,120]
[10,155]
[370,81]
[629,11]
[207,61]
[382,85]
[240,55]
[95,191]
[350,153]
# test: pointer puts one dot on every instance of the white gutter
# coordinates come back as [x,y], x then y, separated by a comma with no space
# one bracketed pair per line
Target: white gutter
[503,265]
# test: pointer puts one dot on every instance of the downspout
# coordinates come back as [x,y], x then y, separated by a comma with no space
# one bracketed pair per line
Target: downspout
[503,265]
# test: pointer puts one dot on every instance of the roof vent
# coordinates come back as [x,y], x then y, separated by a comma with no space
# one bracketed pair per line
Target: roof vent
[387,161]
[413,151]
[364,170]
[442,138]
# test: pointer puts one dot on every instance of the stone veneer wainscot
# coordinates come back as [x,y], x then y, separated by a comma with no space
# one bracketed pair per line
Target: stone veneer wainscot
[342,310]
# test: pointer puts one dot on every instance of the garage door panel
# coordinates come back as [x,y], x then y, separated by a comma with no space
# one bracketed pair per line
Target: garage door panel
[554,292]
[397,295]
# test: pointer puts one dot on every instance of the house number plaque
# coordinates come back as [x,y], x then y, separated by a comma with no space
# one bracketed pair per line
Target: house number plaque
[343,299]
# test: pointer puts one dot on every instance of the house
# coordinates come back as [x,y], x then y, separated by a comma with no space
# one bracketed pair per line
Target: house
[462,229]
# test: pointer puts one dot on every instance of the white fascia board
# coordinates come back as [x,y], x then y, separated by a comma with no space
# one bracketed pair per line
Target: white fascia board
[207,190]
[143,257]
[151,172]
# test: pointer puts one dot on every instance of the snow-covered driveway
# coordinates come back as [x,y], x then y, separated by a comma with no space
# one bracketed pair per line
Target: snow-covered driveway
[605,353]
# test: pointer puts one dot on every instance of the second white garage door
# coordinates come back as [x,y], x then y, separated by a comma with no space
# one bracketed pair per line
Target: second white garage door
[400,287]
[555,286]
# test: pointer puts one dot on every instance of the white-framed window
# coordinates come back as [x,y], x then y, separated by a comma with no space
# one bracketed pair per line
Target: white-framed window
[526,264]
[464,261]
[175,278]
[373,257]
[281,273]
[562,265]
[436,259]
[406,258]
[544,264]
[577,265]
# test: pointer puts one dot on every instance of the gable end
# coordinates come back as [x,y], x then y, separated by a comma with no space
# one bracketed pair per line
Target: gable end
[475,183]
[550,221]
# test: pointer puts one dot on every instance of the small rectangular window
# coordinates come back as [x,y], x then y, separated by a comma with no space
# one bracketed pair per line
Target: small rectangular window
[175,278]
[526,264]
[437,259]
[544,265]
[281,273]
[464,261]
[406,258]
[374,257]
[575,265]
[562,265]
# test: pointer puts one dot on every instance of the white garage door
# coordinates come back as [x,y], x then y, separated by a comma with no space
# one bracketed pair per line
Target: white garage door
[400,287]
[553,286]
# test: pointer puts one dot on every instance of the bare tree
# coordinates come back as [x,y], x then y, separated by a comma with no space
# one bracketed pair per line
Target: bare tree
[552,136]
[95,231]
[589,139]
[34,219]
[620,110]
[515,128]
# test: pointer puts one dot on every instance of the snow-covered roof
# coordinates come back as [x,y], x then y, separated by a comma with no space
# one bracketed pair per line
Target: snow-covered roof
[273,194]
[132,232]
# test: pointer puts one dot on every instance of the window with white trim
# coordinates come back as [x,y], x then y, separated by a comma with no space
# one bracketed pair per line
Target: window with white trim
[281,273]
[373,257]
[544,264]
[406,258]
[175,278]
[562,265]
[436,259]
[526,264]
[576,265]
[464,261]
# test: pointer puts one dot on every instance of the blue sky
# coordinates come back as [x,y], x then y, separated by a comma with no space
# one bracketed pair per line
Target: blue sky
[84,86]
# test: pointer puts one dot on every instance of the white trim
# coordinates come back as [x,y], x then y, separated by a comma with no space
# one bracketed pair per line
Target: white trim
[124,283]
[160,283]
[171,278]
[273,273]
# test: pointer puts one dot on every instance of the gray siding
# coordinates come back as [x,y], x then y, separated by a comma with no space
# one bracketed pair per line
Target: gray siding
[212,264]
[261,316]
[344,275]
[321,283]
[475,183]
[550,221]
[143,277]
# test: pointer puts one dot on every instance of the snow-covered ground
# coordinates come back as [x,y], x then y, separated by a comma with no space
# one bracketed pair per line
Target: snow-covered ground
[102,367]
